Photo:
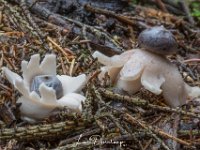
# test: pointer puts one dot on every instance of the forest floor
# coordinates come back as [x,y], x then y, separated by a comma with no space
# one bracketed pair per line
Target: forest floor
[73,30]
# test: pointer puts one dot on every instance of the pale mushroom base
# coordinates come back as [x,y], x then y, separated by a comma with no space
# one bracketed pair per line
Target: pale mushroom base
[136,68]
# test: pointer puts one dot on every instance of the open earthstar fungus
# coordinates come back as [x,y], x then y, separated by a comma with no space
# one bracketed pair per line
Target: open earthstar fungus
[148,67]
[43,91]
[136,68]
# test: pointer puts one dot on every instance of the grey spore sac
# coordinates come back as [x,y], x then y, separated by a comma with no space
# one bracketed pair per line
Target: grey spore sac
[48,80]
[158,40]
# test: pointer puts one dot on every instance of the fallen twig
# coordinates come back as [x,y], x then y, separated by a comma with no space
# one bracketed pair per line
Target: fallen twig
[131,119]
[108,13]
[144,103]
[40,131]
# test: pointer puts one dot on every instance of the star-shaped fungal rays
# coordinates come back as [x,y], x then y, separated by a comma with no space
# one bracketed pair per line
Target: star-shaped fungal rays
[136,68]
[42,102]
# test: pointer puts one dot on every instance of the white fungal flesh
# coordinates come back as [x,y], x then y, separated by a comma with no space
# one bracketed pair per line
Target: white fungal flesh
[48,94]
[152,81]
[131,70]
[102,58]
[46,67]
[72,84]
[11,76]
[154,72]
[22,88]
[115,61]
[36,107]
[33,67]
[73,103]
[130,86]
[32,110]
[112,72]
[192,91]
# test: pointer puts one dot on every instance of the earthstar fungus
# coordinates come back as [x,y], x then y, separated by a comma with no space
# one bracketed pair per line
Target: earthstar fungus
[43,91]
[143,67]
